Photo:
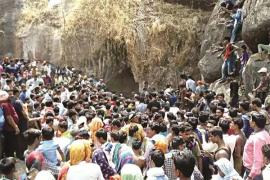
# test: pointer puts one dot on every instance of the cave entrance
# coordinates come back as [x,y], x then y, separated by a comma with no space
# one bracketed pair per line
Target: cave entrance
[123,83]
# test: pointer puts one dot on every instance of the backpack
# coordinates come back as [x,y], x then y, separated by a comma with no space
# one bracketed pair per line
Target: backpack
[2,118]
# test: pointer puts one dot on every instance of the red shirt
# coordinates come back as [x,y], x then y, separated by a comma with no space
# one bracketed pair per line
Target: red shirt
[10,111]
[228,51]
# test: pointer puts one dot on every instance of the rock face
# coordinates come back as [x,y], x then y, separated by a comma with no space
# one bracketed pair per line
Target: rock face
[214,33]
[250,74]
[9,14]
[256,23]
[146,40]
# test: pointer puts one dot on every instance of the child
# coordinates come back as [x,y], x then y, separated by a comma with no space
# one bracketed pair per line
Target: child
[33,137]
[49,147]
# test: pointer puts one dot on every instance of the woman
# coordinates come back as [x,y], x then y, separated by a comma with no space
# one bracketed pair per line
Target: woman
[225,170]
[79,166]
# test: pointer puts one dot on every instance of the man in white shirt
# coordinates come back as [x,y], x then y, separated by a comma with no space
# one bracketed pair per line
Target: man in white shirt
[266,159]
[190,84]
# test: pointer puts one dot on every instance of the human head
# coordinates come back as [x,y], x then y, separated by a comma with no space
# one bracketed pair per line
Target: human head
[237,124]
[220,111]
[32,136]
[178,143]
[266,153]
[47,133]
[225,125]
[35,160]
[184,164]
[7,166]
[256,103]
[154,128]
[63,126]
[101,136]
[157,158]
[243,106]
[216,134]
[226,40]
[80,150]
[257,120]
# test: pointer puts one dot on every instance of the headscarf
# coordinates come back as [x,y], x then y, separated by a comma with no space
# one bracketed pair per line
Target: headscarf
[226,167]
[161,145]
[131,172]
[94,126]
[35,160]
[80,150]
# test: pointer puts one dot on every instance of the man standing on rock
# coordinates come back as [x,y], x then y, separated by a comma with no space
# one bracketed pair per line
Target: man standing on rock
[263,88]
[265,47]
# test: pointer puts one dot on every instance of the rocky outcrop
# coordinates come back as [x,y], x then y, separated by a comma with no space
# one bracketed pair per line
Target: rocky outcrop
[256,23]
[250,74]
[215,30]
[9,13]
[152,41]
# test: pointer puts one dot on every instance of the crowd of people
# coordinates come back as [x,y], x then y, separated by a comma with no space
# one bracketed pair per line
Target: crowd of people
[65,125]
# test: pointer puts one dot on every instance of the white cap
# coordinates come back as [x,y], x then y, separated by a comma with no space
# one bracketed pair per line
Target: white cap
[263,70]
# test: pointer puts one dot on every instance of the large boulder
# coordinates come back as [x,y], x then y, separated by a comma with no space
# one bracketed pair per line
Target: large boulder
[210,66]
[214,33]
[250,74]
[256,23]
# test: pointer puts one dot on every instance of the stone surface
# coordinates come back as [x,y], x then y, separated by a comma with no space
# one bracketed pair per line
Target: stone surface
[153,40]
[256,22]
[250,75]
[214,33]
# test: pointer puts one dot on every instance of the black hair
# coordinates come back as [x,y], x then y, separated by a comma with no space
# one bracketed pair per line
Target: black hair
[227,38]
[31,135]
[7,165]
[244,105]
[239,122]
[132,130]
[216,131]
[48,103]
[225,125]
[185,163]
[155,127]
[203,116]
[257,102]
[266,151]
[244,47]
[115,135]
[175,129]
[136,144]
[158,158]
[47,133]
[117,123]
[259,120]
[101,133]
[233,112]
[122,136]
[63,125]
[193,121]
[177,141]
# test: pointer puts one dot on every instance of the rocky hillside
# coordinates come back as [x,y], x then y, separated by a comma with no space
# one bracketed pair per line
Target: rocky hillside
[141,40]
[150,40]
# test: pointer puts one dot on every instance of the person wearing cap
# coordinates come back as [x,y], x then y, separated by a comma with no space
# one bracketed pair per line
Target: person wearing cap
[262,89]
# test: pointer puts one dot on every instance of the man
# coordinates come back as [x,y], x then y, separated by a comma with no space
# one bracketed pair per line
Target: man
[228,53]
[244,109]
[256,105]
[216,136]
[11,129]
[177,145]
[263,88]
[23,122]
[184,165]
[190,84]
[156,172]
[253,156]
